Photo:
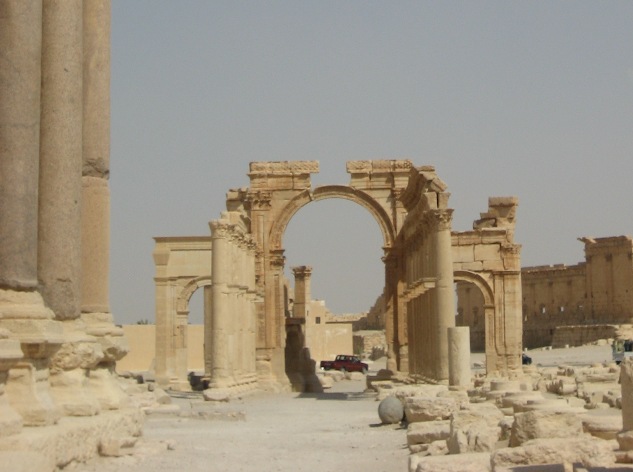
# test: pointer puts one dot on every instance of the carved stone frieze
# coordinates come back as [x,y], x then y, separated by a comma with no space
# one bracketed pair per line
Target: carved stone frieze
[284,167]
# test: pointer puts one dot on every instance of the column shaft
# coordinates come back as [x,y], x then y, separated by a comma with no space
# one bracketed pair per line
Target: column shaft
[59,258]
[20,79]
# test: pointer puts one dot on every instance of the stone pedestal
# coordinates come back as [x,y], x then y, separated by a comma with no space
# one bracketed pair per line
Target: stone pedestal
[625,438]
[103,380]
[70,370]
[31,324]
[10,353]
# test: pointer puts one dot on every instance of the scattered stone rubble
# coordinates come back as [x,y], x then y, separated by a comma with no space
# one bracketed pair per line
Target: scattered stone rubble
[573,417]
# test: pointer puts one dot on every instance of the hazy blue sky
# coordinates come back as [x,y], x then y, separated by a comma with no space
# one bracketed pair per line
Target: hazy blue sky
[533,99]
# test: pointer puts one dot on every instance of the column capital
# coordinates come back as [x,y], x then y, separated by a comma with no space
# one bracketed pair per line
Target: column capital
[277,258]
[260,199]
[219,228]
[302,271]
[439,220]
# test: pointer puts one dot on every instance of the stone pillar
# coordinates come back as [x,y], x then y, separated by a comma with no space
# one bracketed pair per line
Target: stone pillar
[444,292]
[221,316]
[303,293]
[22,310]
[164,302]
[59,237]
[459,356]
[95,212]
[208,330]
[391,321]
[625,437]
[59,249]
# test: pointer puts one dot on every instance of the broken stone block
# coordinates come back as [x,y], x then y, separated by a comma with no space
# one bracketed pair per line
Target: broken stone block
[475,429]
[602,426]
[544,424]
[161,397]
[428,431]
[472,462]
[418,409]
[116,447]
[586,450]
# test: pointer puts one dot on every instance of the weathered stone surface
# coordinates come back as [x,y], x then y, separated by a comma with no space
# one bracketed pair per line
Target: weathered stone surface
[589,451]
[161,397]
[25,461]
[475,429]
[390,410]
[216,395]
[473,462]
[60,444]
[326,381]
[602,426]
[428,431]
[544,424]
[116,447]
[429,408]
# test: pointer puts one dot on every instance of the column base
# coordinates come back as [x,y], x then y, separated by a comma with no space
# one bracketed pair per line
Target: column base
[106,388]
[70,390]
[29,393]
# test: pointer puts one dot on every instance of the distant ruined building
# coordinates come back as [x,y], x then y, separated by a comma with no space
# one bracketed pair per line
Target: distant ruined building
[568,305]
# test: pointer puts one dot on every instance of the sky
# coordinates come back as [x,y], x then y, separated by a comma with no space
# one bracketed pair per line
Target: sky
[531,99]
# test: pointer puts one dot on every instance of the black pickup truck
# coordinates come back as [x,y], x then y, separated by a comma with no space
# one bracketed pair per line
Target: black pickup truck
[345,363]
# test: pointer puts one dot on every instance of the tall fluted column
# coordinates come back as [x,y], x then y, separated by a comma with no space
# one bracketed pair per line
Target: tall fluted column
[59,238]
[221,316]
[24,315]
[444,293]
[95,212]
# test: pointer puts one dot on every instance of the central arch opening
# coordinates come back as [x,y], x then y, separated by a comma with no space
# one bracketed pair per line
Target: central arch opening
[340,243]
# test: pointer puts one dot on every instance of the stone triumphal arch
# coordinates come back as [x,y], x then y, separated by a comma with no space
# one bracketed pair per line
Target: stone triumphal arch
[241,266]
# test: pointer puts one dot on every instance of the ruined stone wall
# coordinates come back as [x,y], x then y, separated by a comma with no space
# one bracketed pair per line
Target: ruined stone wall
[585,298]
[486,264]
[597,292]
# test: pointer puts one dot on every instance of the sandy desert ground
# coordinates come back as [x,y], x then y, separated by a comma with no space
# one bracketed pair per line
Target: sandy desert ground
[335,431]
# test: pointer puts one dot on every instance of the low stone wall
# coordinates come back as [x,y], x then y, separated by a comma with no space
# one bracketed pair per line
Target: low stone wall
[368,342]
[142,348]
[581,334]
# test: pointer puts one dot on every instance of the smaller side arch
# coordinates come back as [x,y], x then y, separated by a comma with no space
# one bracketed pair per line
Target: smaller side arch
[479,281]
[182,303]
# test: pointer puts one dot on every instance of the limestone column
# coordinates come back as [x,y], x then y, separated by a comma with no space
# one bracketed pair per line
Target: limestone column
[208,331]
[59,237]
[459,356]
[444,293]
[303,293]
[625,437]
[220,372]
[95,208]
[22,310]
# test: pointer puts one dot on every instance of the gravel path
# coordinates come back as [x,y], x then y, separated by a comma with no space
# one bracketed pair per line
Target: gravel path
[334,431]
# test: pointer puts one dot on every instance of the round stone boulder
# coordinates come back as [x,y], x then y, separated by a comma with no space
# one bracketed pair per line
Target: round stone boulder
[390,410]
